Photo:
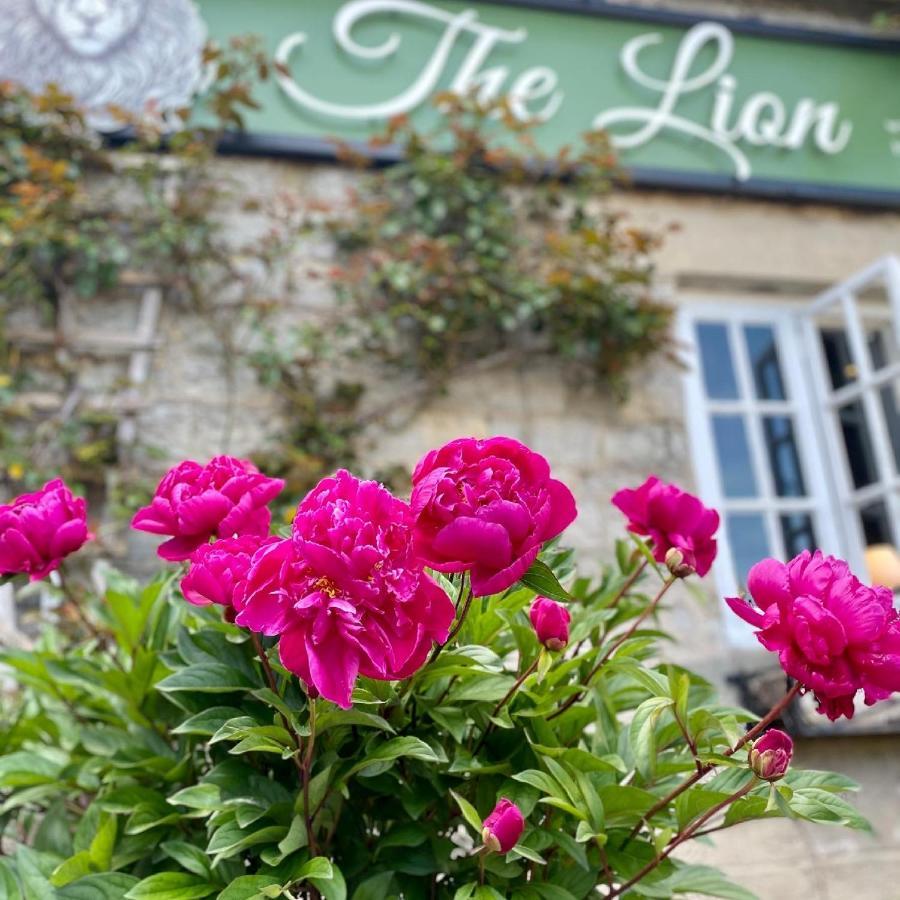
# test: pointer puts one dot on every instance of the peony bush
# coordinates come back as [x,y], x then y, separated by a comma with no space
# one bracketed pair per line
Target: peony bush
[398,699]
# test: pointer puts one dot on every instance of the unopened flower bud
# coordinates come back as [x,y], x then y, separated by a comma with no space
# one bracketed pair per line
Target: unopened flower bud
[550,621]
[503,827]
[771,755]
[676,565]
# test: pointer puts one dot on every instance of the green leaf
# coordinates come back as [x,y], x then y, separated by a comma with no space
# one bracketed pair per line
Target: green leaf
[704,880]
[72,869]
[407,834]
[197,796]
[540,780]
[101,849]
[208,721]
[106,886]
[374,888]
[470,814]
[527,853]
[188,856]
[336,716]
[316,868]
[171,886]
[247,887]
[35,885]
[411,747]
[540,579]
[696,801]
[53,834]
[466,892]
[818,805]
[642,733]
[333,888]
[209,678]
[230,839]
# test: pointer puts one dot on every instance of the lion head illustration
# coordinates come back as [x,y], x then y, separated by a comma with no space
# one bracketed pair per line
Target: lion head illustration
[126,53]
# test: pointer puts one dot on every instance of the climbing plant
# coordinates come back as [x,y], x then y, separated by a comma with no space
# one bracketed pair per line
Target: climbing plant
[472,247]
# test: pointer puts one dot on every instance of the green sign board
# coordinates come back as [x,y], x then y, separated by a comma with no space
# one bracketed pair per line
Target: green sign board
[692,103]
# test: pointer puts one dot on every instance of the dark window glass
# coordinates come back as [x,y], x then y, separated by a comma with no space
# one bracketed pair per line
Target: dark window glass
[733,453]
[763,352]
[798,532]
[875,523]
[883,349]
[841,367]
[858,443]
[747,540]
[892,417]
[718,366]
[783,456]
[877,350]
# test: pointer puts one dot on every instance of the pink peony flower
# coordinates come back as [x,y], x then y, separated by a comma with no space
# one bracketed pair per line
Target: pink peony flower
[346,592]
[218,571]
[771,755]
[503,827]
[193,503]
[487,506]
[38,530]
[671,517]
[550,621]
[832,634]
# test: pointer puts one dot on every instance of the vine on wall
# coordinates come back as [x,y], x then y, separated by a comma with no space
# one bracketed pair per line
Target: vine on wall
[474,247]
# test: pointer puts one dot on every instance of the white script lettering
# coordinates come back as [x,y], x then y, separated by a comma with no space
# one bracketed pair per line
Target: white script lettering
[762,121]
[532,86]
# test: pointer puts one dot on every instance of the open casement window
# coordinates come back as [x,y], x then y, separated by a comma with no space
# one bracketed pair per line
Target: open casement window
[794,419]
[852,341]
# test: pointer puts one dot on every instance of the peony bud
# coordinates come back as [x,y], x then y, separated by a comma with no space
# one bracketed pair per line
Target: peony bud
[771,755]
[550,621]
[503,827]
[676,565]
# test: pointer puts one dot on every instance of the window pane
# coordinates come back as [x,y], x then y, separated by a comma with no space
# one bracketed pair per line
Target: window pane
[763,353]
[841,367]
[858,444]
[890,406]
[883,350]
[798,533]
[783,456]
[875,523]
[718,367]
[733,453]
[747,540]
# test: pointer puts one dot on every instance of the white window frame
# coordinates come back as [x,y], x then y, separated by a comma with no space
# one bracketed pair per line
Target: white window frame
[843,299]
[783,317]
[833,499]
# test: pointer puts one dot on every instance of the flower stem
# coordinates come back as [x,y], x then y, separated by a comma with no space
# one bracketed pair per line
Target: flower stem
[770,717]
[651,608]
[767,720]
[273,686]
[464,590]
[682,836]
[623,590]
[307,766]
[519,682]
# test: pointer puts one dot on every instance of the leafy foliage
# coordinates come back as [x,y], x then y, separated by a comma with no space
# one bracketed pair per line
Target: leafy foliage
[151,756]
[474,244]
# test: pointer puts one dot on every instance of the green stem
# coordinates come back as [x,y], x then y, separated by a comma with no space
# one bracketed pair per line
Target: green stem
[307,766]
[623,590]
[682,836]
[651,608]
[460,619]
[519,682]
[770,717]
[273,686]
